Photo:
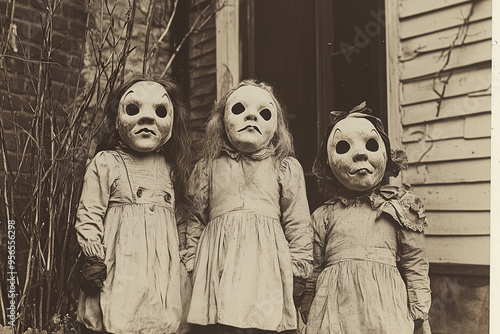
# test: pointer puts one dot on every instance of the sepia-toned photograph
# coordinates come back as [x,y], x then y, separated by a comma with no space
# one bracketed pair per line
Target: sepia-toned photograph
[248,166]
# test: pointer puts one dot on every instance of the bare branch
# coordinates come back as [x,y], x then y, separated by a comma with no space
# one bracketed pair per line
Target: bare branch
[194,27]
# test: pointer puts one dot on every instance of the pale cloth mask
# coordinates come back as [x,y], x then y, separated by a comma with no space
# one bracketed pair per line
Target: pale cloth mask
[250,118]
[356,154]
[145,116]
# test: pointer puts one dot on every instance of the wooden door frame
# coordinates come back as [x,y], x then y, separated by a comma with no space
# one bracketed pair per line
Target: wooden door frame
[393,75]
[228,63]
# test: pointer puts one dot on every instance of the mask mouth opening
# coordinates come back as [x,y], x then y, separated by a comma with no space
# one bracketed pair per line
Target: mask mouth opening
[251,126]
[361,171]
[146,130]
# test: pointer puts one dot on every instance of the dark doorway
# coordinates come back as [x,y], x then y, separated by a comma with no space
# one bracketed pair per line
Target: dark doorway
[358,58]
[320,56]
[351,56]
[280,48]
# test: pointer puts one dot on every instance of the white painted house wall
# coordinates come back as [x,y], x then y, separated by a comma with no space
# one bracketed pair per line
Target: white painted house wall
[439,98]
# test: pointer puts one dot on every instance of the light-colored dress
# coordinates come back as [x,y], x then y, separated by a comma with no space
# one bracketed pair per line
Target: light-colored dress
[128,207]
[359,288]
[254,221]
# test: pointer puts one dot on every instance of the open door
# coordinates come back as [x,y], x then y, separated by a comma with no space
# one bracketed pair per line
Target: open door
[351,55]
[320,56]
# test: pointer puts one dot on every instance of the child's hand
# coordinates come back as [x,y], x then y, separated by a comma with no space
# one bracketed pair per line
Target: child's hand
[422,327]
[304,314]
[92,276]
[189,265]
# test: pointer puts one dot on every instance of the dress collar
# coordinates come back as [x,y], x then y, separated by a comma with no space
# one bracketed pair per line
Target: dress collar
[350,197]
[403,206]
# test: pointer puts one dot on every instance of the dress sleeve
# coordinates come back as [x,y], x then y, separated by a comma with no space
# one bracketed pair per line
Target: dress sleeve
[198,192]
[414,263]
[319,230]
[98,182]
[295,217]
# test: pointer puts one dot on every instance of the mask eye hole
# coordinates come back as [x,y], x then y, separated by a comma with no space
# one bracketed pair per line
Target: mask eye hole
[132,109]
[161,111]
[266,114]
[342,147]
[238,108]
[372,145]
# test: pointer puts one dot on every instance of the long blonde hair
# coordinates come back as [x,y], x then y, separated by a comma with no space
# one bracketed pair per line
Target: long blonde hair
[216,138]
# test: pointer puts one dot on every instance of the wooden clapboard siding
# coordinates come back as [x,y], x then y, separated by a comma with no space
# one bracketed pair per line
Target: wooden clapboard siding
[477,126]
[202,49]
[450,107]
[204,36]
[432,62]
[434,131]
[201,60]
[448,223]
[470,127]
[453,149]
[449,172]
[444,18]
[441,40]
[439,71]
[458,249]
[455,197]
[204,69]
[201,67]
[412,7]
[472,79]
